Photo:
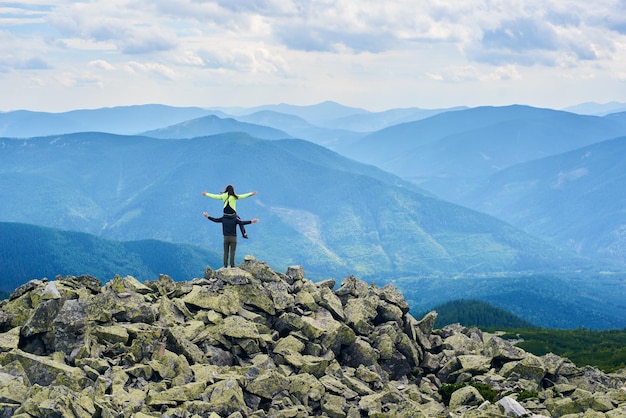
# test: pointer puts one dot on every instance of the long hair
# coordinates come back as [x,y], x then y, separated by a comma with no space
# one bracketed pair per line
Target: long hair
[231,191]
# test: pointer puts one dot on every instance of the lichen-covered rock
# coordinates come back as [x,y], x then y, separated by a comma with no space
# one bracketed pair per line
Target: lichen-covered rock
[265,383]
[10,339]
[226,397]
[529,368]
[360,314]
[57,400]
[13,389]
[306,387]
[251,342]
[226,302]
[45,371]
[177,394]
[467,395]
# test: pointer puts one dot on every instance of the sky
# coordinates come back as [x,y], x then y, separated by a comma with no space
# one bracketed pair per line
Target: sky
[62,55]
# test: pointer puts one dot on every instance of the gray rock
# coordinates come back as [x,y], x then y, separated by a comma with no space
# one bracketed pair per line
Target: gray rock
[511,408]
[466,396]
[251,342]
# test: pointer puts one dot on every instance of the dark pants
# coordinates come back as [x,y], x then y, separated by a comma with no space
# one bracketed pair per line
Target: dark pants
[230,246]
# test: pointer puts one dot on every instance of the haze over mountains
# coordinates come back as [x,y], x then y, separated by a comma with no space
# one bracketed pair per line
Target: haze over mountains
[576,199]
[334,215]
[454,153]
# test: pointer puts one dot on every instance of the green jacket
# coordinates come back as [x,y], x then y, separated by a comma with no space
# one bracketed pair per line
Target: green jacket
[228,200]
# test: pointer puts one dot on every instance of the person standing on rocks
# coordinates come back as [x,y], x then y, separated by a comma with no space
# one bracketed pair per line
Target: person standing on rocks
[229,197]
[229,229]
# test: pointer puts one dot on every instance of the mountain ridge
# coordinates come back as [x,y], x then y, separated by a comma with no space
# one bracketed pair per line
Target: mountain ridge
[214,125]
[580,188]
[329,208]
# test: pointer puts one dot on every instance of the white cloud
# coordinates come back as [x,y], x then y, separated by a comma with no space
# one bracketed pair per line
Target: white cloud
[157,69]
[78,80]
[102,65]
[106,22]
[473,73]
[343,49]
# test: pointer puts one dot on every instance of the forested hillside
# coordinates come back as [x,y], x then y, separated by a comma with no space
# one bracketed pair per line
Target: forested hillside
[33,252]
[605,349]
[476,313]
[316,208]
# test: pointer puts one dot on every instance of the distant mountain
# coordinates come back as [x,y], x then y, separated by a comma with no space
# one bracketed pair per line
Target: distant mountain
[575,199]
[316,114]
[329,124]
[447,152]
[214,125]
[34,252]
[117,120]
[598,109]
[374,121]
[619,117]
[331,119]
[476,313]
[301,129]
[331,214]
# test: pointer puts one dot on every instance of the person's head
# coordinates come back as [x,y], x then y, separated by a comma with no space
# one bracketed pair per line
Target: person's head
[230,190]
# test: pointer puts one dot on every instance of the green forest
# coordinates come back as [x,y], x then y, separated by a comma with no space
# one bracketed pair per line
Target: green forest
[604,349]
[32,252]
[477,313]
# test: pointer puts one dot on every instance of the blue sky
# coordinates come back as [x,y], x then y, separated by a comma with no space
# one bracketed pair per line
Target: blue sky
[61,55]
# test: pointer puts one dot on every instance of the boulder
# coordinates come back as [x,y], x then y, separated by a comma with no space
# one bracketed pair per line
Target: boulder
[466,396]
[251,342]
[226,397]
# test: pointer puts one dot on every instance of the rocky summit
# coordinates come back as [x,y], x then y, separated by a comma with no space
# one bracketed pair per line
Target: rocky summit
[252,342]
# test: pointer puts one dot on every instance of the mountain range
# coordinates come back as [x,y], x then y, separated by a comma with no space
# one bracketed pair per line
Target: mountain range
[324,123]
[331,214]
[454,146]
[444,198]
[576,199]
[494,160]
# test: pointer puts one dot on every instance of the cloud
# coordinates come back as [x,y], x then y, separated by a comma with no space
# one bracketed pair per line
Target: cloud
[370,26]
[21,13]
[145,42]
[321,39]
[131,31]
[32,63]
[23,63]
[312,48]
[160,70]
[102,65]
[250,60]
[472,73]
[521,35]
[550,34]
[68,79]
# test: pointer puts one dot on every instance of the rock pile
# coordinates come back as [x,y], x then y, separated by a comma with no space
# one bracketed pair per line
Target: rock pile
[252,342]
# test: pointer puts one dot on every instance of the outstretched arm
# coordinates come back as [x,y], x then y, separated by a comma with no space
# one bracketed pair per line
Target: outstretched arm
[243,196]
[252,221]
[213,195]
[210,218]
